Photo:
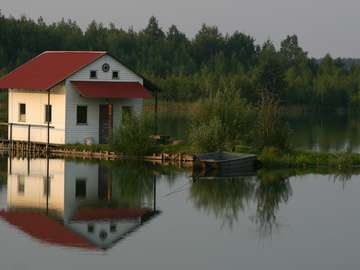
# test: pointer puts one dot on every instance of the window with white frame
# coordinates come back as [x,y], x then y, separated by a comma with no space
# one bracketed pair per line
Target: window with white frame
[81,114]
[22,112]
[127,112]
[115,75]
[80,188]
[47,186]
[48,113]
[21,184]
[93,74]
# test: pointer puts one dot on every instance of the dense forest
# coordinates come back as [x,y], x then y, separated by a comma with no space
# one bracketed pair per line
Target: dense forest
[187,69]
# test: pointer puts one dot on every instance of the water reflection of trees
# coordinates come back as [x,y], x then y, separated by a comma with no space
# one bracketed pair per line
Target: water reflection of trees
[326,131]
[132,182]
[273,189]
[225,198]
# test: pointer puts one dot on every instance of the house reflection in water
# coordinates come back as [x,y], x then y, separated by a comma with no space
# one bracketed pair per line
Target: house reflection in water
[73,204]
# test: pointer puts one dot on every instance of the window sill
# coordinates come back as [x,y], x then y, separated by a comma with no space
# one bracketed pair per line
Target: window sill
[81,124]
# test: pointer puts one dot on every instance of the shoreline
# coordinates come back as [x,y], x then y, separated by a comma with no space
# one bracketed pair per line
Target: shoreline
[270,158]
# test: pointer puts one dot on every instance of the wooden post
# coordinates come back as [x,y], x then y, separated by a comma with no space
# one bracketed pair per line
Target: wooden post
[28,165]
[48,123]
[11,141]
[10,162]
[156,113]
[47,184]
[28,146]
[154,192]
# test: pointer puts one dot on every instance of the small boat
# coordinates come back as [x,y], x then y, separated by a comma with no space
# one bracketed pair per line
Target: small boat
[226,162]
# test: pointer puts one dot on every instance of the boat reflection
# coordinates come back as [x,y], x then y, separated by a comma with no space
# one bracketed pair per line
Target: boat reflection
[73,204]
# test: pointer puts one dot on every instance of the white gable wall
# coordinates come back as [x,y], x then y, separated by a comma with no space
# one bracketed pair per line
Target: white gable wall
[125,75]
[103,226]
[78,133]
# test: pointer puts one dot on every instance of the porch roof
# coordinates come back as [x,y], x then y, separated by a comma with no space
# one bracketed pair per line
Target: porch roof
[109,89]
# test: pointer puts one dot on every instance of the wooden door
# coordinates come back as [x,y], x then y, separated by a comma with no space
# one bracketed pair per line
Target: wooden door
[105,122]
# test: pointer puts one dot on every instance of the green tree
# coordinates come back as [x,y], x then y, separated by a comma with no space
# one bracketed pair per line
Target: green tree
[270,72]
[241,50]
[153,30]
[207,43]
[291,51]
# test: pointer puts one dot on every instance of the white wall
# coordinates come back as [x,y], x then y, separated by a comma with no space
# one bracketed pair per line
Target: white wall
[35,114]
[78,133]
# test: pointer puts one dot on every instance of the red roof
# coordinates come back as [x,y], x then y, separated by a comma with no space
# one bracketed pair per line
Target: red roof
[48,69]
[87,214]
[97,89]
[45,229]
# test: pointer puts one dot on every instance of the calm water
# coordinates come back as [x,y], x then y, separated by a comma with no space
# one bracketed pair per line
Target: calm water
[312,131]
[66,214]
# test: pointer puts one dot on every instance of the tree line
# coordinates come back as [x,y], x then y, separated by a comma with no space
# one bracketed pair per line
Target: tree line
[187,69]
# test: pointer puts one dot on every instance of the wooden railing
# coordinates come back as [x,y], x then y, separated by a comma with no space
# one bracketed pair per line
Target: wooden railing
[29,126]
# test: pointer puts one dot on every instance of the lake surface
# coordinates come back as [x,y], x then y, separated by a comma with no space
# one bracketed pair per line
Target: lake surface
[334,132]
[63,214]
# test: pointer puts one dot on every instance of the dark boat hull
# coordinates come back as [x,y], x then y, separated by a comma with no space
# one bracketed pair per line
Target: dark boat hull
[226,162]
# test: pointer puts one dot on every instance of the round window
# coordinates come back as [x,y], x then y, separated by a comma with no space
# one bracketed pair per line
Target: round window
[106,67]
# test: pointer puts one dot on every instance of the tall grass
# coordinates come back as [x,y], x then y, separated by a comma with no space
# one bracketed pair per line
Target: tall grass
[270,129]
[221,122]
[133,136]
[224,121]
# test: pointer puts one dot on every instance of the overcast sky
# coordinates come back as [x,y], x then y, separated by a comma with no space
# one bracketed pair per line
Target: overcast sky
[323,26]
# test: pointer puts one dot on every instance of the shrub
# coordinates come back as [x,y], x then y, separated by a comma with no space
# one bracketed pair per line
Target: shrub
[208,136]
[133,136]
[270,130]
[223,121]
[343,160]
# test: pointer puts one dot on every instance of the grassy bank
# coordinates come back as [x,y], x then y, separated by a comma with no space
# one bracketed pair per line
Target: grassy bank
[169,148]
[272,158]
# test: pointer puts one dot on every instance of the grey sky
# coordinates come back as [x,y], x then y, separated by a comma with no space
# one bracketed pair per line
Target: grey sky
[323,26]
